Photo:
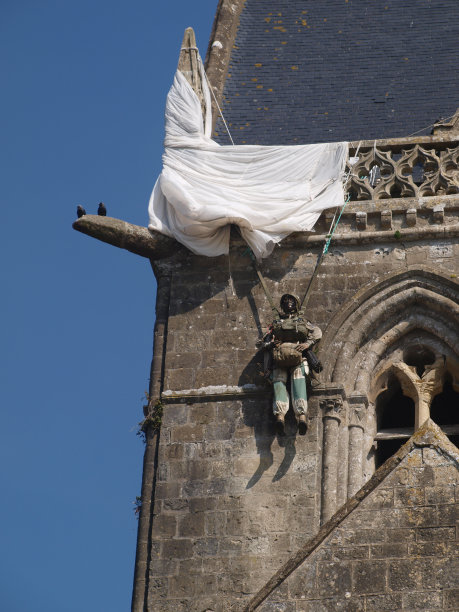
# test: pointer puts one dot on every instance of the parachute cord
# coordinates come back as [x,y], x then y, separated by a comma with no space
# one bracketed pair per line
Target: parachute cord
[323,253]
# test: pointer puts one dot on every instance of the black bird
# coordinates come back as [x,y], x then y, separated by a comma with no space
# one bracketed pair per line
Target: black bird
[80,211]
[102,211]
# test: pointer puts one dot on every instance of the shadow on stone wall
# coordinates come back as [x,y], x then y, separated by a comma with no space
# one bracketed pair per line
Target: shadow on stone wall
[198,279]
[258,415]
[252,373]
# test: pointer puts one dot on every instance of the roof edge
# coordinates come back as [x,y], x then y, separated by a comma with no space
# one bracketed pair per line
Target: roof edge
[428,435]
[221,43]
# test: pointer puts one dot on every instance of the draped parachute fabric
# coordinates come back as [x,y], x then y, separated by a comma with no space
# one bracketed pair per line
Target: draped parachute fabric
[268,191]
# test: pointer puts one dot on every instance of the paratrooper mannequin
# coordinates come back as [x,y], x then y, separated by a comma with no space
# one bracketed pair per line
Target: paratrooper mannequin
[288,340]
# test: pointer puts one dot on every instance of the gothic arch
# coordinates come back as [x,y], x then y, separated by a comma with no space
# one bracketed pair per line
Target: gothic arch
[370,347]
[417,305]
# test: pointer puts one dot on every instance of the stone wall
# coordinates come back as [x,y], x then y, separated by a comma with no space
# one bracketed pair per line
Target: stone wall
[397,550]
[232,500]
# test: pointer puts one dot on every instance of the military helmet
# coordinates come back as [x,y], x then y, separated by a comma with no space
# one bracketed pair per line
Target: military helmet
[284,299]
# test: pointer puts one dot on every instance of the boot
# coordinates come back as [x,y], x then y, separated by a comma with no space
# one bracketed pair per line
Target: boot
[302,425]
[314,379]
[280,425]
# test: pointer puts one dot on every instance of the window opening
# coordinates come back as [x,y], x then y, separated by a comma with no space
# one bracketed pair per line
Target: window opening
[419,357]
[395,191]
[395,419]
[444,410]
[418,174]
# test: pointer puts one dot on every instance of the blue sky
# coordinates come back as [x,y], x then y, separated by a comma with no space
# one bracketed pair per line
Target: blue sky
[83,92]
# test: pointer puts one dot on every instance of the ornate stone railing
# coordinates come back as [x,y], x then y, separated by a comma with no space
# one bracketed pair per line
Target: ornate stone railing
[404,168]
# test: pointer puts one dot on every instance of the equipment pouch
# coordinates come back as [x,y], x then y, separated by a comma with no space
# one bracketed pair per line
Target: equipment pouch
[285,355]
[291,329]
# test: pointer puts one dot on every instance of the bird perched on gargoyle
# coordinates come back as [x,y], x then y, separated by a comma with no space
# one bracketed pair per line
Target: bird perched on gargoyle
[80,211]
[102,211]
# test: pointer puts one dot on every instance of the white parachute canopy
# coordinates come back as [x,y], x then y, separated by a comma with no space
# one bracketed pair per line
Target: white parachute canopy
[268,191]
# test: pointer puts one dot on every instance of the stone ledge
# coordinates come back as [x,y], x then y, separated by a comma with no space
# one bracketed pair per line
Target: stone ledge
[365,237]
[155,246]
[399,143]
[214,393]
[449,202]
[133,238]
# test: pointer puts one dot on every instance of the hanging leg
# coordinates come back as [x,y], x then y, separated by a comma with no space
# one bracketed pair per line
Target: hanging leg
[299,395]
[281,398]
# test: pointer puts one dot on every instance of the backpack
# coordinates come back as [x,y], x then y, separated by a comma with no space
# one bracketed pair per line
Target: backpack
[291,329]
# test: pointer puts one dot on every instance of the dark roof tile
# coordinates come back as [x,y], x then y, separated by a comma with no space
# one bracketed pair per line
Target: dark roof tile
[307,71]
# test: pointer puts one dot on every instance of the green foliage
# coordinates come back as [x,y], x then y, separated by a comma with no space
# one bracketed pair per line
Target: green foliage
[397,235]
[152,422]
[137,505]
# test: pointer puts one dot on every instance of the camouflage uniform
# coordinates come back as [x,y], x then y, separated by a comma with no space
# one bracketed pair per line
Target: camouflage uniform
[298,373]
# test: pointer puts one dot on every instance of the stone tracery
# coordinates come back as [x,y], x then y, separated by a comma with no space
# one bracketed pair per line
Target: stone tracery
[399,333]
[420,170]
[372,329]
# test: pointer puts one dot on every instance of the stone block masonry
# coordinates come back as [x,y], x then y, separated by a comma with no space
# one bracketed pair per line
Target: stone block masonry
[224,499]
[395,546]
[232,500]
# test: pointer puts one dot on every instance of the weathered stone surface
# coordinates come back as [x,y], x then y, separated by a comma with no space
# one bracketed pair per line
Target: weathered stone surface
[134,238]
[377,290]
[390,568]
[451,599]
[232,500]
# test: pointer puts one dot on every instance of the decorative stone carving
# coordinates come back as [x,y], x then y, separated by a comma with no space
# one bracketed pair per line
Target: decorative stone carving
[440,250]
[358,341]
[332,407]
[189,65]
[406,171]
[421,389]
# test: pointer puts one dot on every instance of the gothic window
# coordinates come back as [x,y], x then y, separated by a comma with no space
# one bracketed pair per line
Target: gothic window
[419,357]
[415,389]
[395,415]
[444,410]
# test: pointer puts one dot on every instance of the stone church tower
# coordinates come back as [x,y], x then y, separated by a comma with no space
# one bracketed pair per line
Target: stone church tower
[358,514]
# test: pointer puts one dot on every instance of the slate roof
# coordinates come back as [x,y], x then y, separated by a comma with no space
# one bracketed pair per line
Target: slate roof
[304,71]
